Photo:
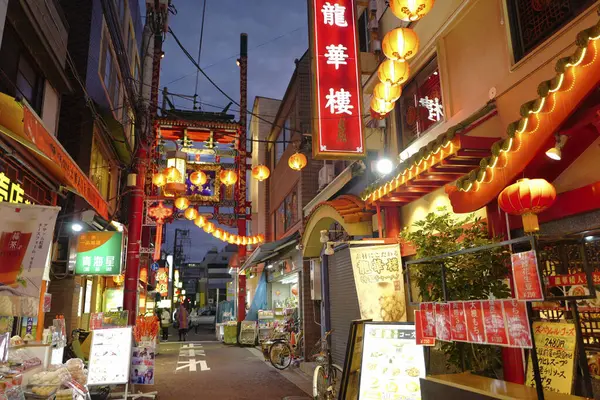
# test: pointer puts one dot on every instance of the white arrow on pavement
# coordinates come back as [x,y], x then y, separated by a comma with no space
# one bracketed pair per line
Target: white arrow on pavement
[191,364]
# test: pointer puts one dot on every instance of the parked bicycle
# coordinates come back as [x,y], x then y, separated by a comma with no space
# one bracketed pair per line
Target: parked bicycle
[327,376]
[282,352]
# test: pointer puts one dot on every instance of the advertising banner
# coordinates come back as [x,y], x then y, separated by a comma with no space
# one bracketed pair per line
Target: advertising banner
[517,323]
[458,321]
[528,285]
[379,282]
[493,320]
[99,253]
[142,364]
[110,356]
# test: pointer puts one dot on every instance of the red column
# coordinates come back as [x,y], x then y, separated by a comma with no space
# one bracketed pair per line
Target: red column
[512,359]
[392,222]
[134,237]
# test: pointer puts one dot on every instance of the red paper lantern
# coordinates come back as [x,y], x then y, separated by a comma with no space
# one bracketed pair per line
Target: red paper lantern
[378,116]
[527,198]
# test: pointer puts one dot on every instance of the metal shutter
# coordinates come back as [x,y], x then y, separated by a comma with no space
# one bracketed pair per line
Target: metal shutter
[343,302]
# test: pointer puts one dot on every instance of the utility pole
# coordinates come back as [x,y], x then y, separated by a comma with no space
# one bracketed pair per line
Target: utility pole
[242,169]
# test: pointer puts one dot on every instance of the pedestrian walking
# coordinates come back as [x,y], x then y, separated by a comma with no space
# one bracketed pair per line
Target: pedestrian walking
[183,318]
[165,322]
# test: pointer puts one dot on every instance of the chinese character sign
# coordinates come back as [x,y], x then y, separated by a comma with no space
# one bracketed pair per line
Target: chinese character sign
[493,320]
[99,253]
[517,322]
[419,333]
[162,282]
[442,322]
[458,321]
[528,285]
[474,316]
[338,128]
[428,319]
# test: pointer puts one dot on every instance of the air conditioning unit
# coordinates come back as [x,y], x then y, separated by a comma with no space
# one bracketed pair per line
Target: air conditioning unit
[315,279]
[326,175]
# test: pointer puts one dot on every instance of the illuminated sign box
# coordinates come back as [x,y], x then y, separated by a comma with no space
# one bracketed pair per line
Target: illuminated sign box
[99,253]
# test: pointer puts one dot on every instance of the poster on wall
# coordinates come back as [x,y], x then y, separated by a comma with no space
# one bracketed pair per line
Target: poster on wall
[379,282]
[443,324]
[110,356]
[420,333]
[458,321]
[99,253]
[526,275]
[142,364]
[392,362]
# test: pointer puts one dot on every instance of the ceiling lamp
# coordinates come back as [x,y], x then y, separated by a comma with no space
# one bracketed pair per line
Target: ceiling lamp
[176,172]
[411,10]
[381,106]
[393,72]
[527,198]
[191,214]
[198,178]
[200,221]
[159,179]
[260,172]
[297,161]
[555,152]
[387,92]
[400,44]
[182,203]
[228,177]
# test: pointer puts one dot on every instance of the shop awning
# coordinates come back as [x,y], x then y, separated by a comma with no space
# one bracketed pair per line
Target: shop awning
[19,123]
[271,250]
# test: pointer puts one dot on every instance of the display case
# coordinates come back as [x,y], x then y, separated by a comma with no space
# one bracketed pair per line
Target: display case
[266,324]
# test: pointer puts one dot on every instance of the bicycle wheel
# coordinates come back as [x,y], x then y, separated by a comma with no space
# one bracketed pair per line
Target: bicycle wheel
[335,380]
[280,355]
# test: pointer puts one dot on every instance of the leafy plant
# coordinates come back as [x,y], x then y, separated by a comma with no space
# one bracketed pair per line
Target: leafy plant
[474,276]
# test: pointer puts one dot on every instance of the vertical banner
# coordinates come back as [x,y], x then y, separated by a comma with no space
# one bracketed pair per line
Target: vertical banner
[493,320]
[528,285]
[162,282]
[379,282]
[475,327]
[26,233]
[419,332]
[517,323]
[338,131]
[442,322]
[428,319]
[458,321]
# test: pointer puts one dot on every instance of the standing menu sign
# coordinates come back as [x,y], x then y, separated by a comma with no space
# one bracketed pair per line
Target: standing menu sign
[392,362]
[351,371]
[110,356]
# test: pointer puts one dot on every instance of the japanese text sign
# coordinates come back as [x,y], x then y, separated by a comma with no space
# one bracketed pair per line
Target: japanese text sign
[162,282]
[428,319]
[11,191]
[528,285]
[458,321]
[555,344]
[442,322]
[338,131]
[419,333]
[475,327]
[99,253]
[517,323]
[493,320]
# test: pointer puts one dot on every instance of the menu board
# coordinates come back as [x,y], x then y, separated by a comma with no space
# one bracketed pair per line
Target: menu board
[493,320]
[351,371]
[392,362]
[110,356]
[526,275]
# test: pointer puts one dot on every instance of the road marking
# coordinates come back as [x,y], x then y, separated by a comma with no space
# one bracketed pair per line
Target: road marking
[187,358]
[191,353]
[191,364]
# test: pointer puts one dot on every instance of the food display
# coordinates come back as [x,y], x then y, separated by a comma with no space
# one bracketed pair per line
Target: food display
[392,363]
[64,394]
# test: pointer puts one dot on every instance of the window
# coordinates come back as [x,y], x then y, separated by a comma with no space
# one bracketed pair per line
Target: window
[109,75]
[420,106]
[30,83]
[282,141]
[363,32]
[532,22]
[287,213]
[100,169]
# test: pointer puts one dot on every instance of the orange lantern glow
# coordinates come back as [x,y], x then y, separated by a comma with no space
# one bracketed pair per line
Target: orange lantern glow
[400,44]
[159,179]
[191,213]
[218,233]
[260,172]
[261,238]
[225,237]
[231,239]
[182,203]
[297,161]
[376,115]
[381,106]
[411,10]
[198,178]
[393,72]
[228,177]
[244,240]
[238,240]
[209,227]
[200,221]
[387,92]
[119,279]
[527,198]
[175,182]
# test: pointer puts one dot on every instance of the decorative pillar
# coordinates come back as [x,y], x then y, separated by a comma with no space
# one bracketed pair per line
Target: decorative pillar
[242,168]
[392,222]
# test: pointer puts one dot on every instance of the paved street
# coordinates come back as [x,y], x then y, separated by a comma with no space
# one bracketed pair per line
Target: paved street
[212,370]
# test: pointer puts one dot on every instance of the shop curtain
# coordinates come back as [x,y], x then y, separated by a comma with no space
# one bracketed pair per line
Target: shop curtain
[260,298]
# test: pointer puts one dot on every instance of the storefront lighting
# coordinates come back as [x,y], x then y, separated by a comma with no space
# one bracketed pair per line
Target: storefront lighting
[324,236]
[384,166]
[183,291]
[555,153]
[393,72]
[76,227]
[590,238]
[329,249]
[270,266]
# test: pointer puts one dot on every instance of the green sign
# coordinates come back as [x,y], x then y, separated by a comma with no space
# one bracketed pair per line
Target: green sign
[99,253]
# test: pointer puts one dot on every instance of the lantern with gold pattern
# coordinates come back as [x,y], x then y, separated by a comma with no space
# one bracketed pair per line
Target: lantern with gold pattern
[393,72]
[410,10]
[400,44]
[260,172]
[228,177]
[297,161]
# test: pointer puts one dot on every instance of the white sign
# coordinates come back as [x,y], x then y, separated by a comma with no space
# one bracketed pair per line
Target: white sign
[110,356]
[392,362]
[164,303]
[434,107]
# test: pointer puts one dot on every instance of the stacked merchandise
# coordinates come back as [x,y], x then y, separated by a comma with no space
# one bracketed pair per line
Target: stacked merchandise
[266,324]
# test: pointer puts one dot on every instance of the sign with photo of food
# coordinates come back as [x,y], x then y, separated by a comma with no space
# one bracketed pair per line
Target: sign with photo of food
[392,362]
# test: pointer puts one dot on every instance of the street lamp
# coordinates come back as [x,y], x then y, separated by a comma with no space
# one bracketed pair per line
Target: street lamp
[384,166]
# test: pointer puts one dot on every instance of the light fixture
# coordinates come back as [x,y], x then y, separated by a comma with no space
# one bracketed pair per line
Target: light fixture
[324,236]
[297,161]
[555,153]
[270,266]
[228,177]
[76,227]
[384,166]
[252,275]
[329,249]
[191,213]
[182,203]
[237,62]
[162,54]
[589,238]
[400,44]
[176,172]
[260,172]
[198,178]
[159,179]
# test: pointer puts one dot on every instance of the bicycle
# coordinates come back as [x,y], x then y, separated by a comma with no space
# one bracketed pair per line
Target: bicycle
[282,353]
[327,375]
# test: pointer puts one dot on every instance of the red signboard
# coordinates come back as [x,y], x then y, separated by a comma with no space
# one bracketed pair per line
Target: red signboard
[517,323]
[458,321]
[493,320]
[572,279]
[475,327]
[420,337]
[162,282]
[428,319]
[528,285]
[337,104]
[442,322]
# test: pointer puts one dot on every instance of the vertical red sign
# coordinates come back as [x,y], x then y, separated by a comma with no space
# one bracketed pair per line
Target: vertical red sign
[337,128]
[517,323]
[419,336]
[528,285]
[442,322]
[493,320]
[475,327]
[428,319]
[458,321]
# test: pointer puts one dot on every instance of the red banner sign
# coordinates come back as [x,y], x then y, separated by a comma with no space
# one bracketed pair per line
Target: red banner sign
[442,322]
[162,282]
[528,285]
[517,323]
[338,131]
[419,334]
[475,327]
[428,319]
[572,279]
[458,320]
[493,320]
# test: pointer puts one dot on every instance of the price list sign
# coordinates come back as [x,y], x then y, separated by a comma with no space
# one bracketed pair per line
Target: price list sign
[458,320]
[442,322]
[528,285]
[475,327]
[495,326]
[517,321]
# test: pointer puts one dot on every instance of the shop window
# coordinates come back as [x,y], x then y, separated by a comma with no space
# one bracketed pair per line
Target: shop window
[420,106]
[287,213]
[534,21]
[100,170]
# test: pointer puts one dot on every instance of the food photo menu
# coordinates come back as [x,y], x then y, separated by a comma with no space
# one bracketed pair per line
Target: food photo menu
[110,356]
[392,363]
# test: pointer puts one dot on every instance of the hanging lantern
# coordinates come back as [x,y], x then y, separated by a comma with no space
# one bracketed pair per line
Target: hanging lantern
[244,240]
[378,116]
[231,239]
[176,172]
[218,234]
[400,44]
[160,214]
[182,203]
[260,172]
[261,238]
[527,198]
[200,221]
[238,240]
[228,177]
[411,10]
[381,106]
[393,72]
[297,161]
[191,213]
[159,179]
[387,92]
[209,227]
[198,178]
[225,236]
